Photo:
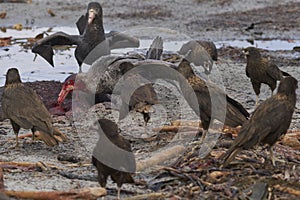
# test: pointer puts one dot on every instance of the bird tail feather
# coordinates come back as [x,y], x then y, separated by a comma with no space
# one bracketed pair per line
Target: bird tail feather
[47,138]
[285,73]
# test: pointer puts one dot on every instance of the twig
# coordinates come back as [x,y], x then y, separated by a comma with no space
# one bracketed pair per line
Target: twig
[287,190]
[85,193]
[175,128]
[1,180]
[160,157]
[41,165]
[157,195]
[16,1]
[186,125]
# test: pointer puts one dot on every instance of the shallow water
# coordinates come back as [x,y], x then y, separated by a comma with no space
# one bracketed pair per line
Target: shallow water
[65,63]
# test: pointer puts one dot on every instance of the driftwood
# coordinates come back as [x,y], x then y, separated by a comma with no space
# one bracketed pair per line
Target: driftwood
[160,157]
[175,128]
[16,1]
[186,123]
[1,180]
[287,190]
[40,165]
[85,193]
[157,195]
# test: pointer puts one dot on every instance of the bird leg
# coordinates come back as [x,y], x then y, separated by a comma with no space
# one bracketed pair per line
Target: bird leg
[204,133]
[146,117]
[17,140]
[274,159]
[119,191]
[16,129]
[33,136]
[256,101]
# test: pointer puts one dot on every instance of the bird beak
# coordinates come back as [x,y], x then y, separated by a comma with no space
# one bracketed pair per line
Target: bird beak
[92,14]
[245,52]
[64,92]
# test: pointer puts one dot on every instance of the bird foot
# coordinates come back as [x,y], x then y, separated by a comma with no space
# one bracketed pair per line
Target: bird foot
[15,147]
[274,160]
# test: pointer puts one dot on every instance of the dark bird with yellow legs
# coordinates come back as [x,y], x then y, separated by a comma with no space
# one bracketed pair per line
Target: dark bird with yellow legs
[26,110]
[270,120]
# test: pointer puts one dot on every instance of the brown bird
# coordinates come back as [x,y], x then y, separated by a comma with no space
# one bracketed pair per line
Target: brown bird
[26,110]
[113,156]
[210,98]
[270,120]
[261,70]
[210,47]
[137,93]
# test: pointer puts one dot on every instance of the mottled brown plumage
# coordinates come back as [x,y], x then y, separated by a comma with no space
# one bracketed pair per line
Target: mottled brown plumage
[113,156]
[26,110]
[261,70]
[270,120]
[210,47]
[207,93]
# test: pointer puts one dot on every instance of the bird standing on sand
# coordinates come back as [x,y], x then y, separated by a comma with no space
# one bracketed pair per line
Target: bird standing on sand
[26,110]
[261,70]
[270,120]
[92,42]
[113,156]
[210,97]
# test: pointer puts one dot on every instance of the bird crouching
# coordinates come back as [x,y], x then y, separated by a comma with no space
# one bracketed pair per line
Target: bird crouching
[270,120]
[26,110]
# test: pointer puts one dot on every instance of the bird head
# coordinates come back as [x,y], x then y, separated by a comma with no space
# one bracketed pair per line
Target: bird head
[94,11]
[68,87]
[288,85]
[12,76]
[251,51]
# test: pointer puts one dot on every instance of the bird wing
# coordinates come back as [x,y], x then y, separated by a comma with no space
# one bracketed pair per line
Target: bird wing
[44,46]
[81,23]
[273,70]
[156,49]
[22,105]
[118,40]
[273,113]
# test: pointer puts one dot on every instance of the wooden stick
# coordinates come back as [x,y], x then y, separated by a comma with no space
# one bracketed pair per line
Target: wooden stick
[16,1]
[287,190]
[175,128]
[186,123]
[156,195]
[42,165]
[27,135]
[1,180]
[159,157]
[85,193]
